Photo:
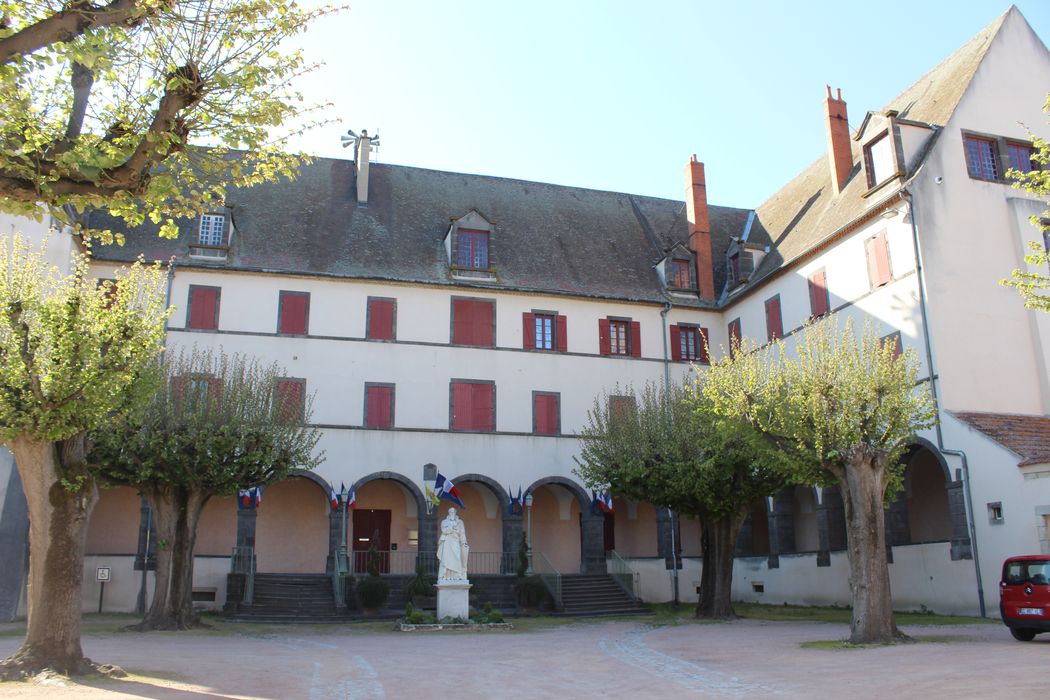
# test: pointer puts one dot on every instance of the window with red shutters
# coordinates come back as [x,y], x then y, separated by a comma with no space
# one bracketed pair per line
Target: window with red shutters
[621,407]
[293,313]
[543,330]
[202,311]
[774,319]
[189,390]
[619,336]
[689,344]
[877,251]
[473,322]
[818,293]
[379,405]
[734,335]
[290,399]
[382,316]
[473,406]
[546,419]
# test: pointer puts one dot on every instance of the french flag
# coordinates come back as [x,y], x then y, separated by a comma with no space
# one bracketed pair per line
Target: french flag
[351,500]
[444,488]
[606,502]
[334,497]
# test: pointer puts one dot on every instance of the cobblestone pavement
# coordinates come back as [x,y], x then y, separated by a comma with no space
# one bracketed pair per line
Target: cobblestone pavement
[615,659]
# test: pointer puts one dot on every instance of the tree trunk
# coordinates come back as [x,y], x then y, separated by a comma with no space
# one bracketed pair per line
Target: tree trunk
[163,500]
[863,489]
[58,521]
[176,512]
[182,561]
[718,536]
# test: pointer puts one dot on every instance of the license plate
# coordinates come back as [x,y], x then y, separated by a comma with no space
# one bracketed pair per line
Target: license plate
[1029,611]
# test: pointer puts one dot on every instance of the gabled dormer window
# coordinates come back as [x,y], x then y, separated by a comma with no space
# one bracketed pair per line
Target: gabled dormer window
[213,237]
[472,249]
[469,244]
[680,273]
[879,164]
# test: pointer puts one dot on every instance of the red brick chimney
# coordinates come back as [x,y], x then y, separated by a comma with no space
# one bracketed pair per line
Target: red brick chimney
[840,155]
[699,226]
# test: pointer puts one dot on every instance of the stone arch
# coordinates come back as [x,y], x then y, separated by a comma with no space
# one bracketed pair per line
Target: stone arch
[577,490]
[592,525]
[491,483]
[920,442]
[923,512]
[417,494]
[493,540]
[291,528]
[426,519]
[322,484]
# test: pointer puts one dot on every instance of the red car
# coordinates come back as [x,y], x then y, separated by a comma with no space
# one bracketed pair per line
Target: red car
[1024,595]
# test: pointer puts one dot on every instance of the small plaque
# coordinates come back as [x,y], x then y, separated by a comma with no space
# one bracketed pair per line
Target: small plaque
[102,573]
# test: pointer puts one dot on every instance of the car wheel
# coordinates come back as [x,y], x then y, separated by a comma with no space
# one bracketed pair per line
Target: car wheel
[1022,635]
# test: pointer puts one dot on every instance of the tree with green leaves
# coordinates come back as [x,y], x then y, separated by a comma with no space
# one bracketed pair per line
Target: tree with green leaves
[135,107]
[71,351]
[671,449]
[845,410]
[215,424]
[1034,285]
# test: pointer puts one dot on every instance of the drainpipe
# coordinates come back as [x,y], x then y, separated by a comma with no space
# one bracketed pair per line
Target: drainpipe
[906,196]
[667,359]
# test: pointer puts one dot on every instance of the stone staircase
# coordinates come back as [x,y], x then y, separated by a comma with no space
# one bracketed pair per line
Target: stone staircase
[299,598]
[596,594]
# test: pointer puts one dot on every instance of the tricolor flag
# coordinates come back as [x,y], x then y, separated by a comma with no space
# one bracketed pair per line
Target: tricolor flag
[249,498]
[351,500]
[514,502]
[606,503]
[258,495]
[444,488]
[334,497]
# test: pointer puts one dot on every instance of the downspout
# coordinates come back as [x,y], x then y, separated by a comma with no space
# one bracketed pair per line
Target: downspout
[667,388]
[667,359]
[906,196]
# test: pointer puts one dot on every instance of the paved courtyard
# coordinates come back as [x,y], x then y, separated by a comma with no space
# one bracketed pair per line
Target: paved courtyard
[619,658]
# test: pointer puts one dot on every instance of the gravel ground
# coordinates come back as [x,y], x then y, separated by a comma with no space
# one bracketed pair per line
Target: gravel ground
[635,659]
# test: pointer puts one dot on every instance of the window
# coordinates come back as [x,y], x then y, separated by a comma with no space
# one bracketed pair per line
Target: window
[818,293]
[546,419]
[290,400]
[619,336]
[734,269]
[474,322]
[878,254]
[981,157]
[381,321]
[734,335]
[544,330]
[995,517]
[689,343]
[293,313]
[379,405]
[680,274]
[473,406]
[1020,156]
[202,308]
[774,319]
[191,389]
[621,407]
[212,230]
[472,249]
[878,159]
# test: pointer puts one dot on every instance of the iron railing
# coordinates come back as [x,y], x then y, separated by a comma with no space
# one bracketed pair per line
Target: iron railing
[405,562]
[243,562]
[550,576]
[623,574]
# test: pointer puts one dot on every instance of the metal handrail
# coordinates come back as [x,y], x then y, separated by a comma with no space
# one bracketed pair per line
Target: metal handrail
[623,574]
[550,576]
[243,562]
[400,562]
[340,567]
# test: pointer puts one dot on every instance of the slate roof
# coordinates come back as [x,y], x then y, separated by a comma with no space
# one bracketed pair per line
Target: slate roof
[807,210]
[1025,435]
[547,238]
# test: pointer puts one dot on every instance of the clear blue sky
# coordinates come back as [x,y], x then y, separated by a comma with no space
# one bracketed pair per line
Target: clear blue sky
[616,95]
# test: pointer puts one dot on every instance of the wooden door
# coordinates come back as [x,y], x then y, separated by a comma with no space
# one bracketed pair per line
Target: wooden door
[369,525]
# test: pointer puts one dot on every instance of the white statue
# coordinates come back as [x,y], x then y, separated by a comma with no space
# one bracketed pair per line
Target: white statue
[452,549]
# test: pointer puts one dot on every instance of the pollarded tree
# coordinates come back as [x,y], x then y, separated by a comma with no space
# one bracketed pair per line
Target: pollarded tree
[671,449]
[845,409]
[1034,285]
[100,103]
[70,353]
[217,423]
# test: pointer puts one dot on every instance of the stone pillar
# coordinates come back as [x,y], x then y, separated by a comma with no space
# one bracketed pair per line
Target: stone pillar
[773,518]
[823,536]
[898,528]
[664,539]
[335,536]
[961,546]
[246,527]
[513,531]
[428,531]
[782,526]
[14,534]
[743,538]
[592,548]
[836,519]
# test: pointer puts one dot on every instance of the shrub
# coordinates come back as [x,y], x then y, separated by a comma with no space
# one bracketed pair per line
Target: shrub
[373,592]
[530,590]
[421,584]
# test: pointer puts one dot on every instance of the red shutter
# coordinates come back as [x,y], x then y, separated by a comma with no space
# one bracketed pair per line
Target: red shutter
[539,414]
[676,343]
[461,406]
[546,414]
[294,309]
[774,323]
[215,393]
[289,400]
[818,293]
[484,313]
[702,351]
[380,319]
[869,254]
[379,400]
[636,339]
[882,259]
[552,414]
[603,336]
[203,307]
[561,333]
[482,399]
[528,331]
[462,322]
[178,390]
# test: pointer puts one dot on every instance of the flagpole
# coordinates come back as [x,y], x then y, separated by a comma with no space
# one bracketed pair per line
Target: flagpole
[528,507]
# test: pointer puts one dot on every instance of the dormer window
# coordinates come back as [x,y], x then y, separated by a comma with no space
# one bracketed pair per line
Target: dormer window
[878,160]
[680,273]
[213,237]
[472,249]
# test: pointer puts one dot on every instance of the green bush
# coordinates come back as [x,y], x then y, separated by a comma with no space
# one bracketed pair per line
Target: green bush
[421,584]
[530,590]
[372,592]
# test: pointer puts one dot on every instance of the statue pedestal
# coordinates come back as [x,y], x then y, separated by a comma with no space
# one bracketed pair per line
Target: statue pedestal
[453,598]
